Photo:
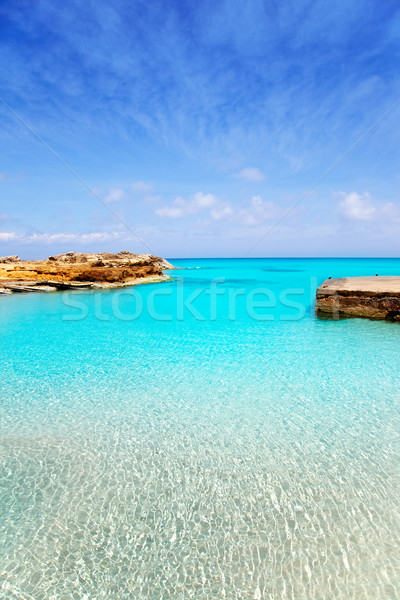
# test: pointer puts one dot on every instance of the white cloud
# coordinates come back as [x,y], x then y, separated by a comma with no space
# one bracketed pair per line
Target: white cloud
[115,194]
[183,208]
[251,174]
[169,211]
[391,212]
[254,213]
[49,238]
[258,212]
[357,207]
[141,187]
[200,201]
[221,212]
[257,201]
[8,236]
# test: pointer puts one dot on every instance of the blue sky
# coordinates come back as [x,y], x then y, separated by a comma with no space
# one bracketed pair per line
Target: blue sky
[198,126]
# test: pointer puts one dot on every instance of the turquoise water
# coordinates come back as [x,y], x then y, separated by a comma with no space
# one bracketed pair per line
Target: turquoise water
[233,447]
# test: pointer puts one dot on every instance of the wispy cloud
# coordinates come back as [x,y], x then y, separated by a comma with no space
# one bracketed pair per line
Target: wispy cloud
[357,207]
[251,174]
[114,195]
[141,187]
[363,208]
[4,217]
[222,211]
[50,238]
[183,208]
[173,212]
[206,79]
[220,96]
[258,211]
[137,188]
[9,236]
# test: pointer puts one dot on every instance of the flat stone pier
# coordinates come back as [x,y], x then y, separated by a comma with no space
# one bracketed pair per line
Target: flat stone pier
[372,297]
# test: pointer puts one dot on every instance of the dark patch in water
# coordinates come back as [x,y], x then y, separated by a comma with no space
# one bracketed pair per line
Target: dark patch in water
[255,282]
[227,282]
[196,281]
[284,270]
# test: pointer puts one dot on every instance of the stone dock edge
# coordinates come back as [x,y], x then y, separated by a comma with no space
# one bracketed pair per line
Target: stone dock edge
[370,297]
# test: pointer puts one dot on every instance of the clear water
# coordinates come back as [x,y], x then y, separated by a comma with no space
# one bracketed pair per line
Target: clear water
[215,452]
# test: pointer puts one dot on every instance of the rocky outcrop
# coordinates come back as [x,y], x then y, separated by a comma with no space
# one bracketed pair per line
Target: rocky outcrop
[372,297]
[9,259]
[78,269]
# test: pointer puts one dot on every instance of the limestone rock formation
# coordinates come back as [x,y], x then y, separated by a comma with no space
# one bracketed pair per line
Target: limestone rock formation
[9,259]
[79,269]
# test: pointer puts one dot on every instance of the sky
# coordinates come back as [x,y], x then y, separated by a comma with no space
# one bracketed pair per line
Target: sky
[200,129]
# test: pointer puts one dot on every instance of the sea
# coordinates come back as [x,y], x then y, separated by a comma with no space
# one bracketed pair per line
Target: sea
[207,437]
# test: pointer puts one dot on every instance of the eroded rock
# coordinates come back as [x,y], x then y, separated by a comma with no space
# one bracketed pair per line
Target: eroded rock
[63,271]
[9,259]
[372,297]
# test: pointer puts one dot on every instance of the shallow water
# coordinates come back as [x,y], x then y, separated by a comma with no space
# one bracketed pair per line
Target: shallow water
[214,449]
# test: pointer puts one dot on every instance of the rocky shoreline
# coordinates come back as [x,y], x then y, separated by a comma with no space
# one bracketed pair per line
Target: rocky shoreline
[371,297]
[78,270]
